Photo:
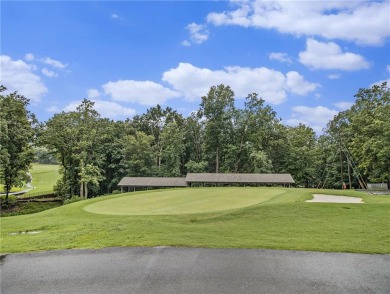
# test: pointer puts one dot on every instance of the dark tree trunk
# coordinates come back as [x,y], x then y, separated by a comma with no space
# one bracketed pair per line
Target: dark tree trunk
[217,161]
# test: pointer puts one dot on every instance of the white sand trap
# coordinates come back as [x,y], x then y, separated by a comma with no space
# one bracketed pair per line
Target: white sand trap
[334,199]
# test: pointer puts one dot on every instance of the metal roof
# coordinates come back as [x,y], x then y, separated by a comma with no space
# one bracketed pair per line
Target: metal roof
[239,178]
[206,178]
[153,182]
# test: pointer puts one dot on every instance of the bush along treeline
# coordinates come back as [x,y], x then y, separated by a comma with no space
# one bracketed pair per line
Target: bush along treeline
[94,153]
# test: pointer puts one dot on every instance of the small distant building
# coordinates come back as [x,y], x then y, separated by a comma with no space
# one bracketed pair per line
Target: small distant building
[377,186]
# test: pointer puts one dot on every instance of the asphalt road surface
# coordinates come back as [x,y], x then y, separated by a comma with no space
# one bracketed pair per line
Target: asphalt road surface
[193,270]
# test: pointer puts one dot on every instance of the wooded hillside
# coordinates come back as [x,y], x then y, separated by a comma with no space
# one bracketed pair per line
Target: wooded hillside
[95,152]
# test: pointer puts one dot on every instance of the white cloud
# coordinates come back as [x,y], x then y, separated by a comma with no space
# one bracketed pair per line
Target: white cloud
[194,82]
[53,109]
[240,16]
[364,22]
[92,93]
[142,92]
[315,117]
[29,57]
[282,57]
[106,109]
[198,33]
[49,73]
[343,105]
[113,110]
[17,75]
[334,76]
[54,63]
[296,84]
[186,43]
[114,16]
[380,83]
[319,114]
[388,68]
[320,55]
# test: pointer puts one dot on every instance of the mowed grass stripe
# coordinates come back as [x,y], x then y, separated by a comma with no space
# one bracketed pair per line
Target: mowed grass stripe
[184,201]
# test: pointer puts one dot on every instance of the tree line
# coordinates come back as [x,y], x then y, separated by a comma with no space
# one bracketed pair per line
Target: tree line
[94,153]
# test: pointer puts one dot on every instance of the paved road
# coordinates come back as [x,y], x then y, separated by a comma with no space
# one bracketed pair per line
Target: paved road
[193,270]
[17,193]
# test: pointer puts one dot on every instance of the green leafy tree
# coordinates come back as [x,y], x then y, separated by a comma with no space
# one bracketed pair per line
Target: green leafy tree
[153,122]
[110,150]
[74,137]
[218,109]
[260,162]
[277,148]
[301,156]
[58,135]
[360,136]
[16,137]
[43,156]
[85,152]
[172,147]
[335,149]
[89,174]
[328,165]
[196,167]
[193,138]
[139,157]
[370,123]
[254,130]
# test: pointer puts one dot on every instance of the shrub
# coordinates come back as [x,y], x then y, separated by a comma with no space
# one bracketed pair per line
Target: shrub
[61,189]
[73,199]
[12,201]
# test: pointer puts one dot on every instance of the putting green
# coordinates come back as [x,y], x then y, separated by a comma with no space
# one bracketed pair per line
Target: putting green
[183,201]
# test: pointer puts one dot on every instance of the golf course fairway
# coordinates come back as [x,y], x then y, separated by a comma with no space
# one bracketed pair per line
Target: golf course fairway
[207,217]
[183,201]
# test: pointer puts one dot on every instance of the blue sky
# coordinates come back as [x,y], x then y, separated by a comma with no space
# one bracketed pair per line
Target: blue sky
[305,58]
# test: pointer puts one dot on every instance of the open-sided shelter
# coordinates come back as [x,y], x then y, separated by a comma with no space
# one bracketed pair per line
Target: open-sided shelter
[131,183]
[134,182]
[235,178]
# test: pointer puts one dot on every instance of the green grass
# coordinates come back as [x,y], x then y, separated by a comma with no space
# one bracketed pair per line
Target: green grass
[280,219]
[14,189]
[199,200]
[44,177]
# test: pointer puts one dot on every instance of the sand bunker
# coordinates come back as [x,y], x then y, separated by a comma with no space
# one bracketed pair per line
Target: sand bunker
[334,199]
[24,232]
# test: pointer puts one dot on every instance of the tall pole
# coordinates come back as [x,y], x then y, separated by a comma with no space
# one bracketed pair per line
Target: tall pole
[349,173]
[217,161]
[341,164]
